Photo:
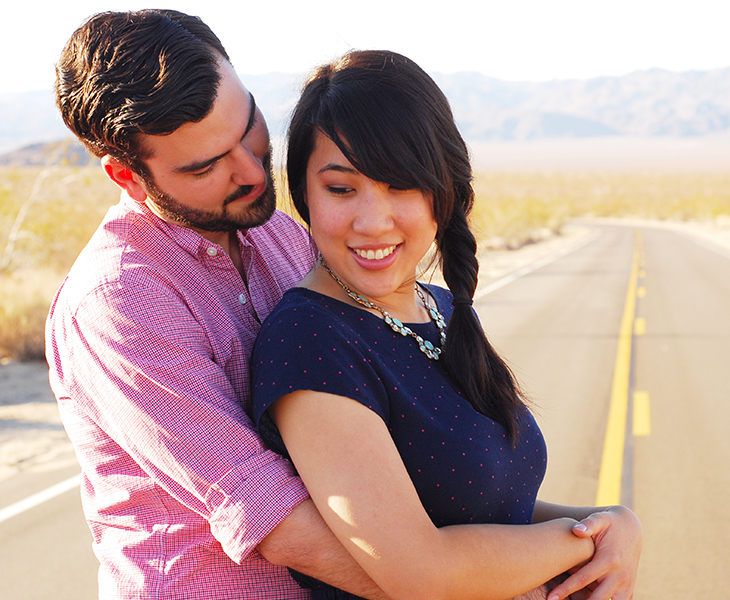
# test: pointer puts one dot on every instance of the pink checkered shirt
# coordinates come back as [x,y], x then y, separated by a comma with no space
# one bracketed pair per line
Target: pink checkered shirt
[149,340]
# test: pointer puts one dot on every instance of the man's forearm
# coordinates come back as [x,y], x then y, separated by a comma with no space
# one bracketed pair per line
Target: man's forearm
[542,592]
[536,594]
[303,542]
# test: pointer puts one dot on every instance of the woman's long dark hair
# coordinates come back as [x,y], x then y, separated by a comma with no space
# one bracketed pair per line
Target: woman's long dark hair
[393,123]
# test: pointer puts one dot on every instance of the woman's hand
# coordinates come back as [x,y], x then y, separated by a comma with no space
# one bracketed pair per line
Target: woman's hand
[611,573]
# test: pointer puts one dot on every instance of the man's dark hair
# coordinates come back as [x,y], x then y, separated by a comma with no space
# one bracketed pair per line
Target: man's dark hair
[122,74]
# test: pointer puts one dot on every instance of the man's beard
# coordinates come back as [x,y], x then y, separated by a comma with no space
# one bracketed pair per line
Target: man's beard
[257,212]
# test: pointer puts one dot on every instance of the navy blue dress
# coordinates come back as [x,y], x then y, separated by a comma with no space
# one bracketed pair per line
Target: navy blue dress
[461,462]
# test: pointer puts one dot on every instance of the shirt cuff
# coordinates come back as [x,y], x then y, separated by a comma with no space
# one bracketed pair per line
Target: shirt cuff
[251,500]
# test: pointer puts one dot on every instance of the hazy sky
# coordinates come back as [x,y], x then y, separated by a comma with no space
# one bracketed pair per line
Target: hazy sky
[509,39]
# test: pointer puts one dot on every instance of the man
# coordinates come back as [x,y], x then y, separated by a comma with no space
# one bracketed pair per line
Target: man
[149,337]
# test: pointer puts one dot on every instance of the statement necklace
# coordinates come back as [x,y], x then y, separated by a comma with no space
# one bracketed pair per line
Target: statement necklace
[433,352]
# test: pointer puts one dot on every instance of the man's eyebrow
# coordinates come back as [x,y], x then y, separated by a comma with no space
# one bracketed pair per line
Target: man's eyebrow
[198,166]
[204,164]
[251,115]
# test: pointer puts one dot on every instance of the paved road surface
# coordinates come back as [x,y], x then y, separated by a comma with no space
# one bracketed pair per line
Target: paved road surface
[559,327]
[45,552]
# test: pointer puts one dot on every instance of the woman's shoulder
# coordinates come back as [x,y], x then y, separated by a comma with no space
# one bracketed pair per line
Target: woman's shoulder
[296,305]
[305,310]
[301,300]
[437,291]
[442,296]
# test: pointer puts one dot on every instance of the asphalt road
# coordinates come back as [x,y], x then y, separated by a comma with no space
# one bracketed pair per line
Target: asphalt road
[45,552]
[558,327]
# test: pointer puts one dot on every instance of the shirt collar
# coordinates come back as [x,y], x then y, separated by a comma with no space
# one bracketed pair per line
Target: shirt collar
[188,239]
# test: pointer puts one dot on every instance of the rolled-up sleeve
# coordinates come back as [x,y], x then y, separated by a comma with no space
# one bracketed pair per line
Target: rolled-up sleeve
[148,371]
[266,480]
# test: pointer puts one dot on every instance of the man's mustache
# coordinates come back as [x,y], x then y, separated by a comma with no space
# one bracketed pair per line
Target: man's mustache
[245,190]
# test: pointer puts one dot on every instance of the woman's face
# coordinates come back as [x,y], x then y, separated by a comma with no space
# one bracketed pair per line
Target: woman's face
[370,234]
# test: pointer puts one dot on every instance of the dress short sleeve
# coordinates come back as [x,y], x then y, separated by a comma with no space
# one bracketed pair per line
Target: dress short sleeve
[311,342]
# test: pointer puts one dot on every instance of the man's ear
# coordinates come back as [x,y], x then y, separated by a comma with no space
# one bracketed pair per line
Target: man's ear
[125,178]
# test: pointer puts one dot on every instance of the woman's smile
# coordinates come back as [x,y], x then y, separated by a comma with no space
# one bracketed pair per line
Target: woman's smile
[371,254]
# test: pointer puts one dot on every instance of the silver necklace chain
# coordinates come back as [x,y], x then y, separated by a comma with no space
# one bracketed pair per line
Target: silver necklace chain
[433,352]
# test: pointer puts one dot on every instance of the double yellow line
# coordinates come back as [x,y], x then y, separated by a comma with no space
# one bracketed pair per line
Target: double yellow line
[612,461]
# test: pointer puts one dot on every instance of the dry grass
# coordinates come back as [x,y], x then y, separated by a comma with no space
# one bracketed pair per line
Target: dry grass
[46,218]
[62,206]
[24,300]
[59,208]
[516,207]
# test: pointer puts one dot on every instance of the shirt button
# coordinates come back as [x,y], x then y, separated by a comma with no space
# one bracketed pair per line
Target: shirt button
[211,251]
[242,298]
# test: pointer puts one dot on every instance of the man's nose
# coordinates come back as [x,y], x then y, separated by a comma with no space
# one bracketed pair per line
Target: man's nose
[248,169]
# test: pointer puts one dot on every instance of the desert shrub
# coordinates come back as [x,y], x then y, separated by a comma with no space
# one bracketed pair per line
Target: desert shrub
[513,205]
[46,217]
[60,207]
[24,300]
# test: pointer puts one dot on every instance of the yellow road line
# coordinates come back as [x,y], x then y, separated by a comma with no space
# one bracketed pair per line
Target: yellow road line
[639,326]
[609,477]
[642,414]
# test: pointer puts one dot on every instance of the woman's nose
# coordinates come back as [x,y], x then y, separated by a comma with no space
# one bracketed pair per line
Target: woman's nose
[374,211]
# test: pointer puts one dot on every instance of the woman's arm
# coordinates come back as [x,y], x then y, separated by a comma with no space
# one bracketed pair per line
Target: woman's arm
[303,542]
[356,478]
[617,534]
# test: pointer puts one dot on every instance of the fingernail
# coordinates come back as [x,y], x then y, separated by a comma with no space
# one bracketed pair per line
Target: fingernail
[579,527]
[553,597]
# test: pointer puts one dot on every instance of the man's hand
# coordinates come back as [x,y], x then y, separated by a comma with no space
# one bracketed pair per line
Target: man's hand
[611,573]
[542,592]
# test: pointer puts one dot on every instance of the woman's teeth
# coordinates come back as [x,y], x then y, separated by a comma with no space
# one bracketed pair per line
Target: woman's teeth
[378,254]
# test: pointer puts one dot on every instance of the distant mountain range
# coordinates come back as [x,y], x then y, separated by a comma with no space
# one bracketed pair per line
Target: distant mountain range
[644,103]
[654,102]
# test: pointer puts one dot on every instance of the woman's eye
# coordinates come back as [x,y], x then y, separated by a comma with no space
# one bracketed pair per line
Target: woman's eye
[339,189]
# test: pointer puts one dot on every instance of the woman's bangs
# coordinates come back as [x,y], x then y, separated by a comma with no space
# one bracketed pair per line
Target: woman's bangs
[381,142]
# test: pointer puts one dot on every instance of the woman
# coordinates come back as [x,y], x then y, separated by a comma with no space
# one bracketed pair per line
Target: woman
[413,440]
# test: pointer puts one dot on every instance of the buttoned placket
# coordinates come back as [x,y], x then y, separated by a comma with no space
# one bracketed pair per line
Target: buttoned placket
[246,257]
[244,297]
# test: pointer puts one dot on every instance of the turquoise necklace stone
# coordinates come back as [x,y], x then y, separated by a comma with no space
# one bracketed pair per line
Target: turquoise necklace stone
[428,348]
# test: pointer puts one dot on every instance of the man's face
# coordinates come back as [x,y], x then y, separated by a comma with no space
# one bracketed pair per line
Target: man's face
[215,175]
